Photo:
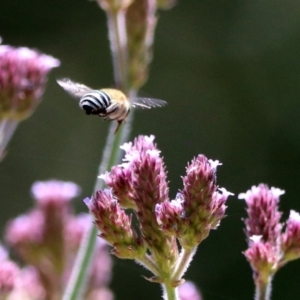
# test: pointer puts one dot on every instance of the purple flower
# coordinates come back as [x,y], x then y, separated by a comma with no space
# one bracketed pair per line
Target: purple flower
[263,214]
[54,191]
[290,239]
[9,272]
[25,230]
[115,225]
[263,258]
[29,285]
[140,183]
[23,75]
[202,204]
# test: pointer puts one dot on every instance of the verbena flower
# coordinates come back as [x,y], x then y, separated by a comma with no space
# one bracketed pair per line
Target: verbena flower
[48,238]
[269,247]
[290,238]
[23,75]
[9,272]
[140,183]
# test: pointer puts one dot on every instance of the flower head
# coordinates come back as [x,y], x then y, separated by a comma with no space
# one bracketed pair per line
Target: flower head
[54,191]
[290,239]
[263,214]
[9,272]
[115,225]
[263,258]
[200,205]
[23,74]
[140,183]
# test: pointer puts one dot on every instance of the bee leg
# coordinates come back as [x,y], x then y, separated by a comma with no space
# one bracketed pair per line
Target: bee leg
[119,124]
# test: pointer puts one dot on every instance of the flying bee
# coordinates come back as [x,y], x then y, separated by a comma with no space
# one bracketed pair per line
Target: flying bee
[109,104]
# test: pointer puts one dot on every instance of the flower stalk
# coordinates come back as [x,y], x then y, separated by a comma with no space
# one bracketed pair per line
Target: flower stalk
[116,11]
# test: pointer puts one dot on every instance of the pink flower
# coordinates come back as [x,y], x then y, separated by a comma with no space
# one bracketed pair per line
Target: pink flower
[54,191]
[25,229]
[115,225]
[263,214]
[140,183]
[9,272]
[23,75]
[263,258]
[290,239]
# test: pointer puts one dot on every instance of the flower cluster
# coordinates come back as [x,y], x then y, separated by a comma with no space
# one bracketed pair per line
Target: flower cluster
[47,238]
[17,283]
[270,246]
[140,183]
[23,75]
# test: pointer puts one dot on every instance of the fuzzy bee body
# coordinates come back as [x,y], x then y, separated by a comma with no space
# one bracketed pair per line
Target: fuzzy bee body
[109,104]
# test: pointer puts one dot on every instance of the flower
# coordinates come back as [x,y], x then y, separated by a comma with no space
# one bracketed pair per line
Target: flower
[290,239]
[23,75]
[48,238]
[263,258]
[199,207]
[9,272]
[140,183]
[115,225]
[263,215]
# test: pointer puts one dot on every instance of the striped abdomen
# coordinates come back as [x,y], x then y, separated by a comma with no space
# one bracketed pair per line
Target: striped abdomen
[95,102]
[110,104]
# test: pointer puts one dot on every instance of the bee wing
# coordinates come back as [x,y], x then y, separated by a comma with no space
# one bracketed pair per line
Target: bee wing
[147,103]
[75,89]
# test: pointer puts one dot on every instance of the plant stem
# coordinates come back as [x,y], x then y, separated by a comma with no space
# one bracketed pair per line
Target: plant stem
[184,260]
[170,292]
[149,264]
[111,154]
[118,44]
[76,284]
[7,128]
[263,289]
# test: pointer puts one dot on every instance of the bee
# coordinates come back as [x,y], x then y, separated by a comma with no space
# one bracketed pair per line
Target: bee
[108,104]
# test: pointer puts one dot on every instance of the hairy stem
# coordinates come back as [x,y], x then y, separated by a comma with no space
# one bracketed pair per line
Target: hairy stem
[111,154]
[263,289]
[170,292]
[183,263]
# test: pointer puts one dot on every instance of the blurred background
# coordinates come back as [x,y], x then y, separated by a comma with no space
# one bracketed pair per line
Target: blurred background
[230,73]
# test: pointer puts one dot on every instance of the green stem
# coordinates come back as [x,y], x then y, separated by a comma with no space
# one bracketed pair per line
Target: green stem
[149,264]
[170,292]
[263,289]
[76,284]
[7,128]
[111,155]
[183,263]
